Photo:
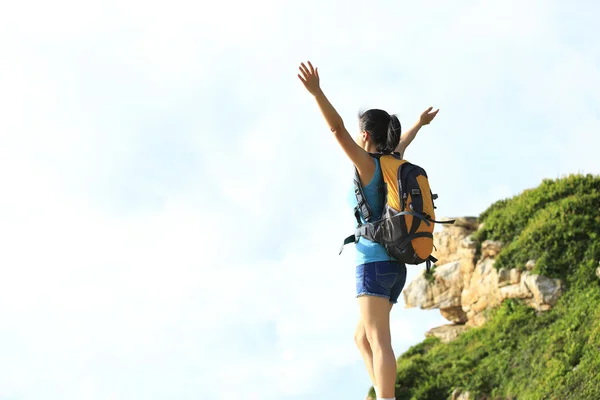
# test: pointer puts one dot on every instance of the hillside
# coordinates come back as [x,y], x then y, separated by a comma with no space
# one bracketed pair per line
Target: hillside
[520,348]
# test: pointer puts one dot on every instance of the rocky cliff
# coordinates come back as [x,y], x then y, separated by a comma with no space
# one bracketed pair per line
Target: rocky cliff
[464,283]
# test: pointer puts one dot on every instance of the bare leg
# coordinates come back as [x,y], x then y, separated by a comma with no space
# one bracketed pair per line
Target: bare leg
[360,337]
[375,315]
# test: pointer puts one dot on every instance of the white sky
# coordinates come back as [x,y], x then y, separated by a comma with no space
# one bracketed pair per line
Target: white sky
[172,202]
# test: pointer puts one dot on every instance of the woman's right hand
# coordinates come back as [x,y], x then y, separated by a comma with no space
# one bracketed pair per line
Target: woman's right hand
[310,78]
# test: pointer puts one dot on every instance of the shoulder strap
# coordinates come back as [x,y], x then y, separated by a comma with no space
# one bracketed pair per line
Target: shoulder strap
[362,207]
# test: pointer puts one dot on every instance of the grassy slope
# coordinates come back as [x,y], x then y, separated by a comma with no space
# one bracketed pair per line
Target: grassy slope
[519,354]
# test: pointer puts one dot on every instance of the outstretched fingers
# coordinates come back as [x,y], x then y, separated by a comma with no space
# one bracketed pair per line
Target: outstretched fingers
[308,71]
[304,70]
[303,73]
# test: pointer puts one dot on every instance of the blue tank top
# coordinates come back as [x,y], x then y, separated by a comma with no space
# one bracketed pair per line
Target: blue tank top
[367,251]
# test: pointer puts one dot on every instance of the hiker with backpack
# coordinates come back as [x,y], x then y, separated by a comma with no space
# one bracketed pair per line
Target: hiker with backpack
[394,211]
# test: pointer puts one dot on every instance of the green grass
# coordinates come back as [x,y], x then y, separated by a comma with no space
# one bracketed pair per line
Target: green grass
[521,354]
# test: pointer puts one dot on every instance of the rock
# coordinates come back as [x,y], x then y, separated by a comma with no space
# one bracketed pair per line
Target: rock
[418,293]
[464,293]
[483,291]
[448,246]
[467,244]
[515,276]
[467,249]
[444,293]
[448,285]
[464,289]
[546,291]
[447,242]
[465,396]
[458,394]
[470,223]
[454,314]
[516,291]
[447,333]
[503,277]
[477,320]
[490,248]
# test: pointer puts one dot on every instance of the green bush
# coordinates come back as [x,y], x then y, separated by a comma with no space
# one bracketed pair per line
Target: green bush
[553,224]
[519,353]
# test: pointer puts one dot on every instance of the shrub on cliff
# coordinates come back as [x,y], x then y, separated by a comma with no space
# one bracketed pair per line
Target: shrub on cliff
[557,224]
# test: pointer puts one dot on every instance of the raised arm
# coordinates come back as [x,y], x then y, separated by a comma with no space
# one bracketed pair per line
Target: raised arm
[407,137]
[363,162]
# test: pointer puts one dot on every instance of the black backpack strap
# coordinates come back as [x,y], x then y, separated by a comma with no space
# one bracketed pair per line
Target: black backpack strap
[451,221]
[415,215]
[348,240]
[363,207]
[357,215]
[403,172]
[429,261]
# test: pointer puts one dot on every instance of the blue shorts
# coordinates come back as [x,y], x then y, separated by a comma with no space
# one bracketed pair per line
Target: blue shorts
[382,278]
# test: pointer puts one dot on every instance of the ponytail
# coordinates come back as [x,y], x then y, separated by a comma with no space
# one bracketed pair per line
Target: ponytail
[393,134]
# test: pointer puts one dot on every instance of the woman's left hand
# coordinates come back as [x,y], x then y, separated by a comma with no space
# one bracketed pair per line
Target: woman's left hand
[427,116]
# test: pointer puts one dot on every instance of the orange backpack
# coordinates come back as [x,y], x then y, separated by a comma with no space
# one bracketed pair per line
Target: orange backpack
[405,228]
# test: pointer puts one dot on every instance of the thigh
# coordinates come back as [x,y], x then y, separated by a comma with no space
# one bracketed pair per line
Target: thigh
[375,315]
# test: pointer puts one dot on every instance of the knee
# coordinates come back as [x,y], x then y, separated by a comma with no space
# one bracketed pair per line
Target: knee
[378,339]
[360,338]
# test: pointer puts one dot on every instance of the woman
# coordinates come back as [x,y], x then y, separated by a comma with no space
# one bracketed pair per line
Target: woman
[379,278]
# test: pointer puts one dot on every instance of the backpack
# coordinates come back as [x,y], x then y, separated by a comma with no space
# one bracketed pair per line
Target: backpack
[405,228]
